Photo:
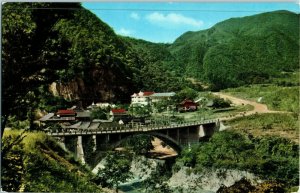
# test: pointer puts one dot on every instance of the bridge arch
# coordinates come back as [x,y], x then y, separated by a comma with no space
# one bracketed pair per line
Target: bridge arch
[165,138]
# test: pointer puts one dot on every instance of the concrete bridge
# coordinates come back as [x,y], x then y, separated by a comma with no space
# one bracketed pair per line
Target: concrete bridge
[104,137]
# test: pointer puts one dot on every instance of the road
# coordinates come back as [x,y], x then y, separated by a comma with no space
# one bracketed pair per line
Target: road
[258,107]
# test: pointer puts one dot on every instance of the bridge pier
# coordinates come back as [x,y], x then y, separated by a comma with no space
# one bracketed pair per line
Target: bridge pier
[201,131]
[79,150]
[95,143]
[207,130]
[107,138]
[61,142]
[177,135]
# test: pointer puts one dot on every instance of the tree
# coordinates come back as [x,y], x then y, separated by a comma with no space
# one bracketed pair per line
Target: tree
[99,113]
[116,169]
[140,110]
[186,93]
[221,103]
[12,162]
[157,181]
[31,53]
[139,144]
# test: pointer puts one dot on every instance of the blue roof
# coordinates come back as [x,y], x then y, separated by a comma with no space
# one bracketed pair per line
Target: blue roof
[163,94]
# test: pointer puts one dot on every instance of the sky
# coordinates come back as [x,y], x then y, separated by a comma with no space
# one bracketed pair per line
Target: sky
[163,22]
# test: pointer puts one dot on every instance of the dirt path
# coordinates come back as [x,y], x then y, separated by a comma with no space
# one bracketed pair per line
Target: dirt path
[258,107]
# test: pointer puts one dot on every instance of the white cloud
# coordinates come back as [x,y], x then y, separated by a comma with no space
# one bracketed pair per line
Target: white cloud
[135,16]
[173,19]
[124,32]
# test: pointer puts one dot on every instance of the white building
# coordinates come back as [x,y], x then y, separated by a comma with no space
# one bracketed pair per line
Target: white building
[156,97]
[141,98]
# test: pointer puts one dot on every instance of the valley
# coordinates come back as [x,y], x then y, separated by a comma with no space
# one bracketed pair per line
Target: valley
[217,110]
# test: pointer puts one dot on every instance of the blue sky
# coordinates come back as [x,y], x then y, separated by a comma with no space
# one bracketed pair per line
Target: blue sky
[164,22]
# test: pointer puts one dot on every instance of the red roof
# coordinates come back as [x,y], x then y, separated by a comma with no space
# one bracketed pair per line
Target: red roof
[148,93]
[66,112]
[118,111]
[188,103]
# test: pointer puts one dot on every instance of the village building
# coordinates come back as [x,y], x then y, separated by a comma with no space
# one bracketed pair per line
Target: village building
[157,97]
[141,98]
[67,115]
[83,115]
[187,105]
[101,105]
[118,114]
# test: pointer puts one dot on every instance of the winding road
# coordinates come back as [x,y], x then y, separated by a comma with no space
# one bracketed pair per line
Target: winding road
[258,107]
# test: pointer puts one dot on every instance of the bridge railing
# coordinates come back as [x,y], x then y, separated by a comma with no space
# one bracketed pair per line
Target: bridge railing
[131,128]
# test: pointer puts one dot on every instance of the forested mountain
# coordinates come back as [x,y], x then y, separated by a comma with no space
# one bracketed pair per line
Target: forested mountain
[159,70]
[234,52]
[241,50]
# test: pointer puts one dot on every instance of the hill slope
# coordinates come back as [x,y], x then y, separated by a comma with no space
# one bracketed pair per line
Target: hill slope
[38,164]
[234,52]
[241,50]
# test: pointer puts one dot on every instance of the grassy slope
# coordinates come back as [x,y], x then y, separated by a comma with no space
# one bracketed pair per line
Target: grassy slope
[281,95]
[280,125]
[275,97]
[43,166]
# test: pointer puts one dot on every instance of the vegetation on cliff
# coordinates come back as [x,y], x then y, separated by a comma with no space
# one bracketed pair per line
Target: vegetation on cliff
[271,158]
[34,162]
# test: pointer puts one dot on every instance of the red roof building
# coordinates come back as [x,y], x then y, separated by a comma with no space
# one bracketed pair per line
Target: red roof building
[66,112]
[148,93]
[187,105]
[118,111]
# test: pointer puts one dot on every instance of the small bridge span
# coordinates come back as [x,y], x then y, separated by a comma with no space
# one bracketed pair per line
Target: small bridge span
[104,138]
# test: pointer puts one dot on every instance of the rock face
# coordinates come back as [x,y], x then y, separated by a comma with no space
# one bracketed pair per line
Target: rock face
[207,180]
[98,87]
[69,91]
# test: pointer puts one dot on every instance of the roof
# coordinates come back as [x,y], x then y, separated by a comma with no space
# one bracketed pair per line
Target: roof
[66,112]
[163,94]
[116,111]
[47,117]
[83,114]
[187,101]
[146,93]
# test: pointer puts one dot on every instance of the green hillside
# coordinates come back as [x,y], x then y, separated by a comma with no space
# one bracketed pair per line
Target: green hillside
[241,50]
[159,70]
[99,57]
[36,163]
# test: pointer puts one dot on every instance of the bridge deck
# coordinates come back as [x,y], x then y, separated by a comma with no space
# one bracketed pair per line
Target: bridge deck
[90,128]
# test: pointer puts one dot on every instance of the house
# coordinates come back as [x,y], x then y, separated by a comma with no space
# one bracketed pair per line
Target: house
[141,98]
[118,114]
[66,113]
[83,115]
[156,97]
[101,105]
[187,105]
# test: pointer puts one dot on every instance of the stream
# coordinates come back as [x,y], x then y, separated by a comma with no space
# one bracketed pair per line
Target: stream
[182,181]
